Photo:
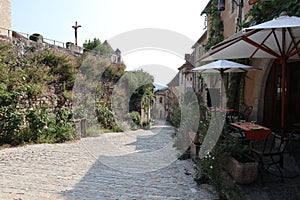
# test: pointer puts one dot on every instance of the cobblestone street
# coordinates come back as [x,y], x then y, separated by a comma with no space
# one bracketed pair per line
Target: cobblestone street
[139,164]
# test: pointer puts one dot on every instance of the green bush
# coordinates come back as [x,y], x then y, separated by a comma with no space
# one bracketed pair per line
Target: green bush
[134,119]
[176,116]
[105,117]
[117,128]
[26,112]
[64,128]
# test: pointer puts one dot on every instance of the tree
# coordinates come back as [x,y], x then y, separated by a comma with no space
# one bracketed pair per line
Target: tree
[147,100]
[267,10]
[97,47]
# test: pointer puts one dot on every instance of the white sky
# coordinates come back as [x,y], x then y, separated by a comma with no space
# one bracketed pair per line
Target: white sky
[105,19]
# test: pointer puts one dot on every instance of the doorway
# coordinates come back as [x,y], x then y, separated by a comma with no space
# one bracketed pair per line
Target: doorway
[273,92]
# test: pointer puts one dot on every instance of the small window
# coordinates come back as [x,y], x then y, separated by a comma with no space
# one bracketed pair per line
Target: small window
[160,100]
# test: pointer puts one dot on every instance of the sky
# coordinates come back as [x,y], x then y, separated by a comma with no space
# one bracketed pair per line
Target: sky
[112,19]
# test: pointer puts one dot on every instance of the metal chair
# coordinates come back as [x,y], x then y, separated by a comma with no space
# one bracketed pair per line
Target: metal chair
[270,153]
[245,110]
[234,116]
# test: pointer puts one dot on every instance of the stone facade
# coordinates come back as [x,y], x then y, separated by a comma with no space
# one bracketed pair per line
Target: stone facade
[160,104]
[5,16]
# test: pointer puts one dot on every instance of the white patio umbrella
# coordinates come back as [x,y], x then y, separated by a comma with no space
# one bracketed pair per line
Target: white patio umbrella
[277,39]
[223,66]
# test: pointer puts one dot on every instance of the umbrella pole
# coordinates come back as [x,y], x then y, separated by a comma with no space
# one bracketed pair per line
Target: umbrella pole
[222,88]
[282,98]
[283,63]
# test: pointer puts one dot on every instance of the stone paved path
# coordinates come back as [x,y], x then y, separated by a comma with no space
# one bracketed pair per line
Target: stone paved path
[132,165]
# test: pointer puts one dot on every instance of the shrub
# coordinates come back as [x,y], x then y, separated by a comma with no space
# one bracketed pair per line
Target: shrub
[27,114]
[117,128]
[105,117]
[135,117]
[176,116]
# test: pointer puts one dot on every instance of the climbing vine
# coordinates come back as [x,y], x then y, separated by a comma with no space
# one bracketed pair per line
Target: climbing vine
[216,25]
[267,10]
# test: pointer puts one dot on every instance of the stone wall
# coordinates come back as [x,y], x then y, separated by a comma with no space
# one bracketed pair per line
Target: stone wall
[5,18]
[54,98]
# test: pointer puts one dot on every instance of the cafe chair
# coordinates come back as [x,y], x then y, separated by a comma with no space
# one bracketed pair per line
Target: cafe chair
[234,116]
[270,154]
[245,110]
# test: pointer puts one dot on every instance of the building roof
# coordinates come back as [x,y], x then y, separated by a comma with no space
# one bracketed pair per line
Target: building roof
[174,81]
[109,47]
[118,52]
[161,92]
[187,65]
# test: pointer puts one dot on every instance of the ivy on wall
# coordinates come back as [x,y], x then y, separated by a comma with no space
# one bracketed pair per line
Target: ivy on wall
[216,26]
[267,10]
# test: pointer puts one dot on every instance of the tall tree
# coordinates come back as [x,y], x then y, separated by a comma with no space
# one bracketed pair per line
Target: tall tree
[96,46]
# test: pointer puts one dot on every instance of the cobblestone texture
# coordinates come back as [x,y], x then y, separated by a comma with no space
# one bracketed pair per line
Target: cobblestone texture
[132,165]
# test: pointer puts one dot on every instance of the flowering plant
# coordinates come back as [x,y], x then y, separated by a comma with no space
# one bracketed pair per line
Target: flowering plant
[211,171]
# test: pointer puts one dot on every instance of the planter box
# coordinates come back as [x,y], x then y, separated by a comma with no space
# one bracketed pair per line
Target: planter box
[242,172]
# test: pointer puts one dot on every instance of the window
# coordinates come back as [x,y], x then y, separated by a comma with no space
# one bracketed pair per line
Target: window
[160,100]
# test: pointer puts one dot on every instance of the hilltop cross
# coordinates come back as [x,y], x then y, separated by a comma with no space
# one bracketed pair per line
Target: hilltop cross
[75,28]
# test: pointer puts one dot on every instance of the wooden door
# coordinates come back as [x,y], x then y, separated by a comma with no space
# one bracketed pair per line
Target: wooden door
[272,99]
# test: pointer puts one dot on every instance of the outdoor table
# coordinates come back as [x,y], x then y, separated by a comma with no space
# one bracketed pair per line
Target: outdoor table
[251,131]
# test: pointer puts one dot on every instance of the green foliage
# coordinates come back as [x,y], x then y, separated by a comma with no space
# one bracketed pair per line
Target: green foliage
[211,164]
[148,97]
[264,11]
[216,26]
[117,128]
[114,72]
[90,45]
[176,116]
[27,112]
[212,172]
[105,116]
[97,47]
[11,123]
[61,66]
[140,83]
[235,91]
[104,94]
[134,119]
[204,119]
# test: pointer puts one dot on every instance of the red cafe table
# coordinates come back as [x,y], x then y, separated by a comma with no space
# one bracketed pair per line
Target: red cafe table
[251,131]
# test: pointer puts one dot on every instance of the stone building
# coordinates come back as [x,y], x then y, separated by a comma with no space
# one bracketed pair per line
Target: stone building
[160,104]
[115,54]
[5,18]
[262,88]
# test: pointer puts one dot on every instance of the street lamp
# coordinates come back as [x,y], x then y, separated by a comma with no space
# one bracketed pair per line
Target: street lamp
[221,5]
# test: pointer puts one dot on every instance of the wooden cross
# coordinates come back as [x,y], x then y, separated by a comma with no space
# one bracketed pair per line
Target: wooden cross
[75,28]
